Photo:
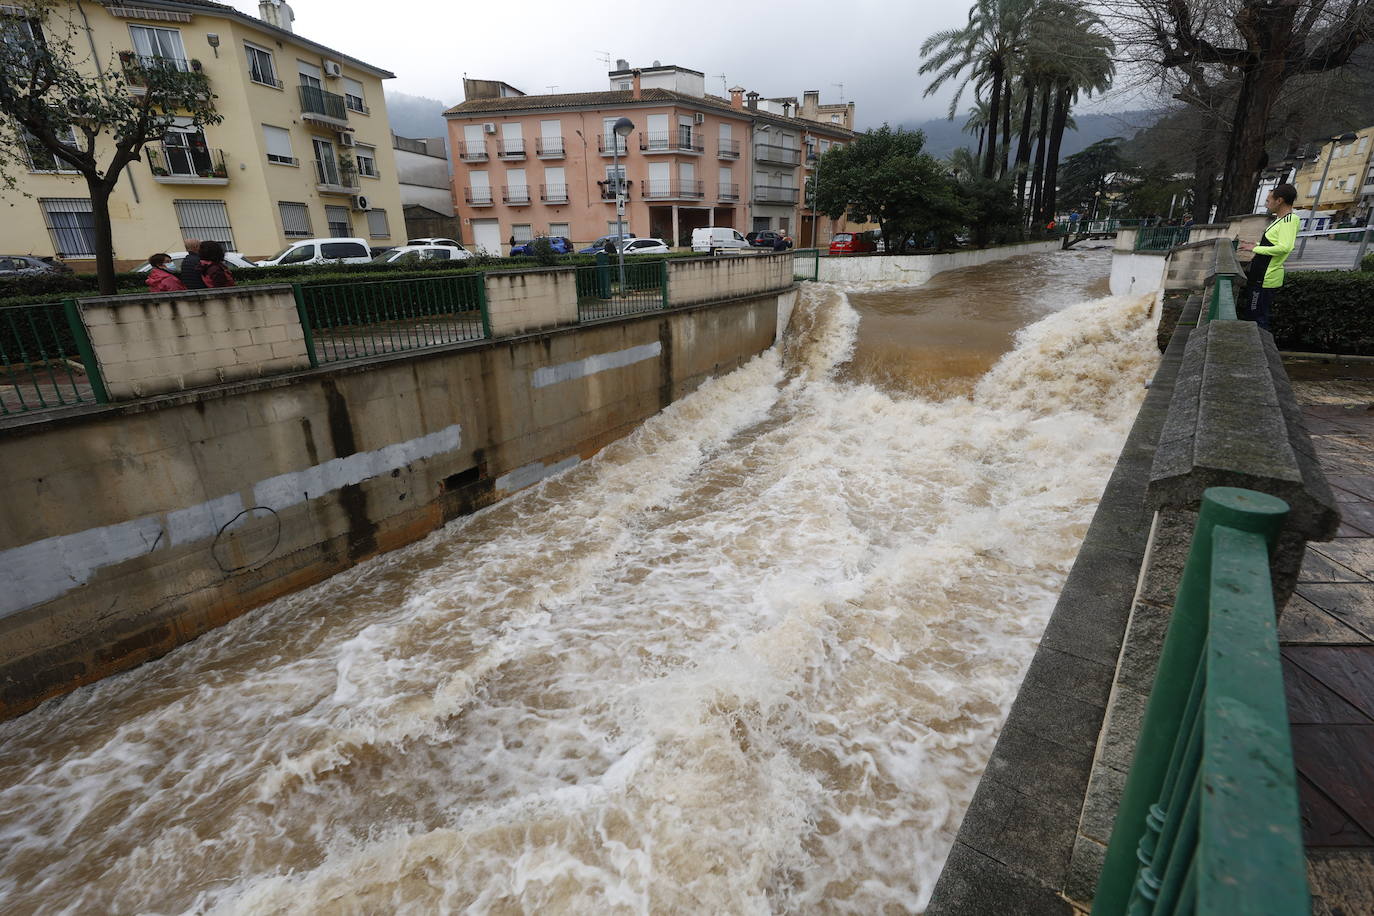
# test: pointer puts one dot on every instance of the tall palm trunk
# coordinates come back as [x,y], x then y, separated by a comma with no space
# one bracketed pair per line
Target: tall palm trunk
[982,133]
[1061,117]
[1023,141]
[994,112]
[1006,127]
[1042,135]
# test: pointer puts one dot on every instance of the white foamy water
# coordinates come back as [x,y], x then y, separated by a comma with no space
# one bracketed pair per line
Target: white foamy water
[750,659]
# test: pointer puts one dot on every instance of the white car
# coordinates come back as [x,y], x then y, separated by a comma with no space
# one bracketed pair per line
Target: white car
[321,251]
[423,253]
[645,246]
[711,239]
[448,243]
[235,261]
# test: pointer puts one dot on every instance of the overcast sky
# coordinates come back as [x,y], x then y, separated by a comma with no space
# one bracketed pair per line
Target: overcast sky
[776,49]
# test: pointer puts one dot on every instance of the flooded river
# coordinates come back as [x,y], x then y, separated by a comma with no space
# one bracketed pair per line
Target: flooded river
[750,659]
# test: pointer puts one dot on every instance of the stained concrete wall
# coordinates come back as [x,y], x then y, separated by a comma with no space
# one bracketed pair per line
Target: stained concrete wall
[126,530]
[161,342]
[1135,273]
[704,279]
[915,269]
[527,300]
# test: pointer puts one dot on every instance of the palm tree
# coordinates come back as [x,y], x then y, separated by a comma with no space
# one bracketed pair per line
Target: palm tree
[977,123]
[1088,70]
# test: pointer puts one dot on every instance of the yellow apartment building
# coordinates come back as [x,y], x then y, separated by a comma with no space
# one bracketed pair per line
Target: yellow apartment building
[1349,181]
[304,149]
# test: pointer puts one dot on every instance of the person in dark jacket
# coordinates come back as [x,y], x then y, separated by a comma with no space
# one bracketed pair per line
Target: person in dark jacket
[190,266]
[212,266]
[160,279]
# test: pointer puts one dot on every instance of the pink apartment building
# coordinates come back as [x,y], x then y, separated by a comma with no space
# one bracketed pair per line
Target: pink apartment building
[526,166]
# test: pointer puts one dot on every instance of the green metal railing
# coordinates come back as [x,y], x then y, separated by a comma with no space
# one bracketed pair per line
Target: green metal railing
[1208,822]
[1222,303]
[345,321]
[46,359]
[806,264]
[1160,238]
[600,294]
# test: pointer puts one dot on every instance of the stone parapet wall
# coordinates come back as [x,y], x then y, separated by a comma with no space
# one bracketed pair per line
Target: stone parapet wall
[530,300]
[703,279]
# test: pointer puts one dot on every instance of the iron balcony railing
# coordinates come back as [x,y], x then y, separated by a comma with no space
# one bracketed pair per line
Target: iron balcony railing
[472,150]
[768,194]
[189,163]
[510,149]
[478,197]
[728,191]
[728,149]
[1209,821]
[46,359]
[316,101]
[600,293]
[608,189]
[549,147]
[344,321]
[612,145]
[671,142]
[553,193]
[330,176]
[671,189]
[515,193]
[1160,238]
[136,65]
[777,155]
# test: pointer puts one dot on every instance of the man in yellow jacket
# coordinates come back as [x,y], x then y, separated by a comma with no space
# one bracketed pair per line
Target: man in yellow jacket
[1265,275]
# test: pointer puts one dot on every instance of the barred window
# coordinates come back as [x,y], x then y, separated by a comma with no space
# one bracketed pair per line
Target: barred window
[377,226]
[295,219]
[207,220]
[340,224]
[71,225]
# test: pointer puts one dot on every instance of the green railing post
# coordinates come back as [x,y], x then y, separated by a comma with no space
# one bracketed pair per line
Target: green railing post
[482,304]
[305,325]
[83,347]
[1182,653]
[663,280]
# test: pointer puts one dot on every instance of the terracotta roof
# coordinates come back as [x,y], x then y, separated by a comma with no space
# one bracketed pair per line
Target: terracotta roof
[620,98]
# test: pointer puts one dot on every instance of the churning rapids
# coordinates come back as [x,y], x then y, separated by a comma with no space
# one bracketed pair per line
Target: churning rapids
[750,659]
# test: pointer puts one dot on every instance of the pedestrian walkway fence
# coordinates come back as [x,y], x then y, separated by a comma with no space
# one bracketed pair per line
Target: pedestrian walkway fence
[352,320]
[46,359]
[806,264]
[1160,238]
[1209,822]
[601,294]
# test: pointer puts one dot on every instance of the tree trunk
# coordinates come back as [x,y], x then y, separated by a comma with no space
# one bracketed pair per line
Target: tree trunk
[1245,155]
[104,234]
[1023,143]
[1006,127]
[994,112]
[1204,176]
[982,132]
[1061,117]
[1042,134]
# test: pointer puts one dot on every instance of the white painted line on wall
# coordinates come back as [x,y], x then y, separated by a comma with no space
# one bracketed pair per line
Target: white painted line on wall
[45,569]
[523,477]
[566,372]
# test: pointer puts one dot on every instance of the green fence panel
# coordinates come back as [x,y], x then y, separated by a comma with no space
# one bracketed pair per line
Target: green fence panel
[600,293]
[1161,238]
[806,264]
[46,359]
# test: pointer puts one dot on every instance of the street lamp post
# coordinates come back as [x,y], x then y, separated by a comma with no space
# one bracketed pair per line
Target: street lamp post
[1321,185]
[620,131]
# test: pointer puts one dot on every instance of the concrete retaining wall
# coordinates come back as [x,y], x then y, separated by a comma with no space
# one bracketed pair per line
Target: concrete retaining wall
[704,279]
[130,529]
[1135,273]
[527,300]
[915,269]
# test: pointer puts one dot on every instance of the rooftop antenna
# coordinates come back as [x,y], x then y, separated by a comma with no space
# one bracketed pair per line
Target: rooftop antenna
[723,91]
[552,89]
[605,58]
[839,86]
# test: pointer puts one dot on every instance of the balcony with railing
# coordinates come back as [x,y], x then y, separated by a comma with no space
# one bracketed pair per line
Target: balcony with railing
[517,194]
[612,145]
[478,197]
[549,148]
[672,189]
[510,149]
[137,67]
[673,141]
[186,164]
[332,177]
[325,107]
[770,194]
[776,155]
[472,150]
[728,192]
[553,193]
[608,189]
[728,149]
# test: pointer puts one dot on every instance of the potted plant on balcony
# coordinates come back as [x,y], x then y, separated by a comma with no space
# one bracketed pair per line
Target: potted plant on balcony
[348,171]
[155,165]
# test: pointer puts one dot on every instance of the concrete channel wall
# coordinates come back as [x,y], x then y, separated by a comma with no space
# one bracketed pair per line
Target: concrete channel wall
[915,269]
[130,528]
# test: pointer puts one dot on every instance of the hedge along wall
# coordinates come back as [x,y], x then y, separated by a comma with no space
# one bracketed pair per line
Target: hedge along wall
[1326,312]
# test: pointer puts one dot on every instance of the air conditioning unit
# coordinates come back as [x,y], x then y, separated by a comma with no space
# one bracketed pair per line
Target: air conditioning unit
[346,138]
[333,69]
[360,202]
[700,118]
[489,127]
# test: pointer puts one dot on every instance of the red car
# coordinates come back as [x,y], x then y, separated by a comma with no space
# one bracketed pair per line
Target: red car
[852,243]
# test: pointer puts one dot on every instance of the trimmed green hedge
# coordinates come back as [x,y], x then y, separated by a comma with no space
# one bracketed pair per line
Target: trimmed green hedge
[1326,312]
[1368,263]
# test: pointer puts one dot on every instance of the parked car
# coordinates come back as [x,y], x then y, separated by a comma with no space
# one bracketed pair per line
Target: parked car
[717,238]
[447,243]
[645,246]
[321,251]
[852,243]
[422,253]
[600,243]
[764,238]
[21,265]
[235,261]
[558,243]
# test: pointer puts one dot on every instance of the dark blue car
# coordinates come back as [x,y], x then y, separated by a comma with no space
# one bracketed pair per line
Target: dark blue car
[559,244]
[600,243]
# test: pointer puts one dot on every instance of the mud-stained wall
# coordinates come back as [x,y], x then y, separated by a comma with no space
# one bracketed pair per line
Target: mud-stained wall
[129,530]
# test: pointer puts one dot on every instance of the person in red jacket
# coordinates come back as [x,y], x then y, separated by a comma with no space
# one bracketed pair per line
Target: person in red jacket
[160,279]
[212,265]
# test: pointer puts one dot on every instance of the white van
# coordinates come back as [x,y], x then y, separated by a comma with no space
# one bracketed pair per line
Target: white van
[717,238]
[321,251]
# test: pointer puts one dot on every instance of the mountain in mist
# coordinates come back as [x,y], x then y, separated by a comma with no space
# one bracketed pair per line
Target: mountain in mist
[417,116]
[944,136]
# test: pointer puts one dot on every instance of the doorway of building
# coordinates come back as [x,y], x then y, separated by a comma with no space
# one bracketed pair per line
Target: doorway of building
[486,235]
[689,218]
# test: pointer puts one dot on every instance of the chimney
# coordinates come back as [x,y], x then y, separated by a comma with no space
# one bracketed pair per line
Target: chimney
[277,13]
[636,92]
[737,98]
[752,100]
[811,104]
[787,109]
[621,64]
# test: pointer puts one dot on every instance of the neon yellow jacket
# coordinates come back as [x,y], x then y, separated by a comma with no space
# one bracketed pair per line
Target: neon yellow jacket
[1283,233]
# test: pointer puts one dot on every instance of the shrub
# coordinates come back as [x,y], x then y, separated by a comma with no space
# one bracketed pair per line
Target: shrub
[1368,263]
[1326,312]
[542,250]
